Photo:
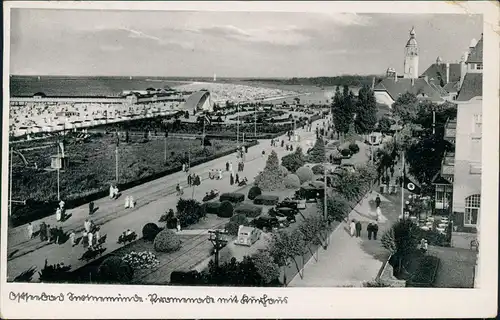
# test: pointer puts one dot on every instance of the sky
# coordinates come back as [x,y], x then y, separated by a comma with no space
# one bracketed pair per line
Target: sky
[230,44]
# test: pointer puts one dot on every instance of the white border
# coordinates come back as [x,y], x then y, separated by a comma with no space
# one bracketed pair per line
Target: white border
[302,303]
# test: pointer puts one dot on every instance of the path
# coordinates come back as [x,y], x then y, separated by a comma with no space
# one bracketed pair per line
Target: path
[153,199]
[352,261]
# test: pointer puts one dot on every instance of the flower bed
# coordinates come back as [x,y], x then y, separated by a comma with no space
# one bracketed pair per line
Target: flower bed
[425,274]
[141,260]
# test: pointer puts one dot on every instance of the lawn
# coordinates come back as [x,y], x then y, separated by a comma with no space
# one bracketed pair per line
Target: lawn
[92,165]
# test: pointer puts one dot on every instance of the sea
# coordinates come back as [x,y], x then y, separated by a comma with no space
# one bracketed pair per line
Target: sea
[27,86]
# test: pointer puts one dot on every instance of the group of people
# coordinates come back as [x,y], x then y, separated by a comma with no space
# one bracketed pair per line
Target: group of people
[185,167]
[215,174]
[91,235]
[60,211]
[129,202]
[276,142]
[193,179]
[113,192]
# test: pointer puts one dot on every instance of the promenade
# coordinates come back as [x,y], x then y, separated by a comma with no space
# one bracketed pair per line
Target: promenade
[153,199]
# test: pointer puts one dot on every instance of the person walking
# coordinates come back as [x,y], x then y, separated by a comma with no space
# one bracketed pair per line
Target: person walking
[231,179]
[190,179]
[377,201]
[127,202]
[352,227]
[178,226]
[86,225]
[369,229]
[91,207]
[237,179]
[58,214]
[183,167]
[282,143]
[220,175]
[30,231]
[375,230]
[91,238]
[227,166]
[358,229]
[231,166]
[72,238]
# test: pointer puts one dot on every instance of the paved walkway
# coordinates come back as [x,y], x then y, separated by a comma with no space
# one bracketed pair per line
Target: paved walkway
[153,199]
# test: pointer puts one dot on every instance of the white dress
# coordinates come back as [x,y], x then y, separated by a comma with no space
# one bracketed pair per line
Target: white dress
[127,202]
[58,214]
[352,228]
[131,202]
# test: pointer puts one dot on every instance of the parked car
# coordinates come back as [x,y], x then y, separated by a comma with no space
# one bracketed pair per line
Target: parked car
[247,236]
[287,203]
[266,222]
[309,193]
[286,213]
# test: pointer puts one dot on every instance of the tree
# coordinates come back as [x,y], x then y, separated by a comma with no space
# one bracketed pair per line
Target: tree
[424,157]
[273,176]
[189,211]
[348,185]
[294,160]
[401,241]
[265,265]
[406,107]
[366,111]
[317,153]
[311,228]
[286,246]
[384,124]
[337,208]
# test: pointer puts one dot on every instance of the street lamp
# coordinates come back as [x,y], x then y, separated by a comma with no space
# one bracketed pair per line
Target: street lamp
[238,124]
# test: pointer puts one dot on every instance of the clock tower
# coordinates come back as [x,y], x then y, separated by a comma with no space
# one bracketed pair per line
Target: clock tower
[411,57]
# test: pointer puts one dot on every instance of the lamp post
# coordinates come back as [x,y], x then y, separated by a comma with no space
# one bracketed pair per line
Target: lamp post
[255,122]
[10,183]
[58,174]
[238,124]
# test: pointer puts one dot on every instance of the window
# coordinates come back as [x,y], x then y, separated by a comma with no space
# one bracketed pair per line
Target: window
[479,66]
[472,208]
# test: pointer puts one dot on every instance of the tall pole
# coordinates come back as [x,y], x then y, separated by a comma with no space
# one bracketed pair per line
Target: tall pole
[433,121]
[203,137]
[165,155]
[255,122]
[58,177]
[238,124]
[325,211]
[10,182]
[402,186]
[116,164]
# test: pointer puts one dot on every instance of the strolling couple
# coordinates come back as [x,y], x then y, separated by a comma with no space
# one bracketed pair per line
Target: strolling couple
[355,228]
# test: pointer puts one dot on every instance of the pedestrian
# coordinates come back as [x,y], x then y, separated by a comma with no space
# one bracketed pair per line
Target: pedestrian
[58,214]
[90,238]
[282,143]
[131,202]
[72,238]
[127,202]
[227,166]
[97,235]
[190,179]
[352,227]
[183,167]
[358,229]
[86,225]
[272,142]
[91,207]
[237,179]
[291,148]
[43,231]
[377,201]
[369,229]
[111,191]
[231,166]
[178,226]
[220,175]
[242,166]
[197,180]
[61,205]
[378,212]
[246,149]
[30,231]
[392,171]
[231,179]
[375,230]
[59,234]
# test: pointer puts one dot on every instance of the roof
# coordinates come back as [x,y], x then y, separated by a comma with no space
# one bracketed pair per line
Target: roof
[196,100]
[476,54]
[437,72]
[452,87]
[403,85]
[471,87]
[245,229]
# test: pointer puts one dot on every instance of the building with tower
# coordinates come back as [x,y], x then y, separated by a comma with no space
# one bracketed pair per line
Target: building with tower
[394,85]
[411,57]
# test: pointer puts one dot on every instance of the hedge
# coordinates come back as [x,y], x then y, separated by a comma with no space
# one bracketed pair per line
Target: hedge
[268,200]
[40,209]
[149,231]
[167,241]
[254,192]
[248,210]
[226,210]
[425,275]
[212,207]
[232,197]
[114,270]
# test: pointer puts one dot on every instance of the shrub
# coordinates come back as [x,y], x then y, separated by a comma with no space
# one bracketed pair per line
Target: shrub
[273,175]
[354,147]
[232,197]
[305,174]
[235,222]
[268,200]
[172,223]
[189,211]
[141,260]
[114,270]
[167,216]
[248,210]
[254,192]
[292,181]
[167,241]
[149,231]
[294,160]
[212,207]
[318,169]
[225,210]
[345,152]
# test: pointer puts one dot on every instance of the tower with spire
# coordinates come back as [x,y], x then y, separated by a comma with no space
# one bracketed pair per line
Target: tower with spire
[411,57]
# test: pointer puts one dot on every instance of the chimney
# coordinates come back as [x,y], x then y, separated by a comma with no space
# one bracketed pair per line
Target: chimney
[447,73]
